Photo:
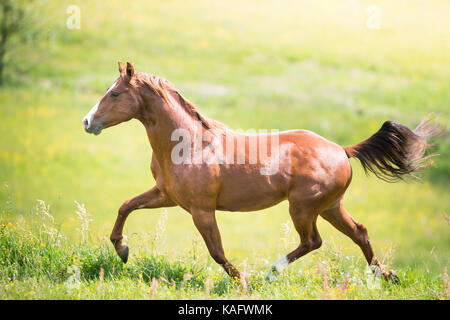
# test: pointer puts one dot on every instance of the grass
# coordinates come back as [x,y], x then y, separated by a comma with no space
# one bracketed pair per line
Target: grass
[282,65]
[38,262]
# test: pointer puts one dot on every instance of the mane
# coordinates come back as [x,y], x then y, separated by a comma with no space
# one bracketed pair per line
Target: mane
[164,88]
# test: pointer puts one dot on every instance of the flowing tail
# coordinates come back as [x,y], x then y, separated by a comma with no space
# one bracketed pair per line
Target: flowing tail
[395,151]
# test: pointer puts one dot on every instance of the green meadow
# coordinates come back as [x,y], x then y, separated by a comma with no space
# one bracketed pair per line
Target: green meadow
[316,65]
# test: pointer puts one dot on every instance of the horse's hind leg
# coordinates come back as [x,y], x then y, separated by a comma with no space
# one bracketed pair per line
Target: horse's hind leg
[304,219]
[344,222]
[153,198]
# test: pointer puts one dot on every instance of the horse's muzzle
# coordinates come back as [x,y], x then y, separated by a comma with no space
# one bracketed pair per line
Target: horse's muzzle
[89,128]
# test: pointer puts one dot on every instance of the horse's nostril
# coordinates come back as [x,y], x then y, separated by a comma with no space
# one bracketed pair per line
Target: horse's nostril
[85,123]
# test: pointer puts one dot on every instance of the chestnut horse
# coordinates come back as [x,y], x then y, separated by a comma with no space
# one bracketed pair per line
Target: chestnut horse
[312,174]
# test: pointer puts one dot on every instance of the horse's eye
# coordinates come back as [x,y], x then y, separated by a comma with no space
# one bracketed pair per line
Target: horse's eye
[115,94]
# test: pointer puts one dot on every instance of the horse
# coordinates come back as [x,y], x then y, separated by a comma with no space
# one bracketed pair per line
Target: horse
[311,172]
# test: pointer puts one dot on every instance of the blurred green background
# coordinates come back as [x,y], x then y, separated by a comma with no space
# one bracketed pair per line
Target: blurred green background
[313,65]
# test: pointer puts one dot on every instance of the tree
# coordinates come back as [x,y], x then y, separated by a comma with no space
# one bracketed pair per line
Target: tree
[17,25]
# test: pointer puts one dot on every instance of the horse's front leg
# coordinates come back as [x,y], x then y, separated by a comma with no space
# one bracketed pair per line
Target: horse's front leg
[153,198]
[205,221]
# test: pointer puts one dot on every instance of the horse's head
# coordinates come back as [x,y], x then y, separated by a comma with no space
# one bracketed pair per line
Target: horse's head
[120,103]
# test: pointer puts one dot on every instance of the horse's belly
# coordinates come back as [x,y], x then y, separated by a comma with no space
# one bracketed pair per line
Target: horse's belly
[246,204]
[239,193]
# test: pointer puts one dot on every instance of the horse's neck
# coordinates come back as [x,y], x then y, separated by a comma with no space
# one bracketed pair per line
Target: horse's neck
[162,122]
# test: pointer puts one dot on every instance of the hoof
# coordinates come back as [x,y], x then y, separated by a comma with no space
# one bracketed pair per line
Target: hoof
[276,268]
[271,275]
[124,254]
[393,277]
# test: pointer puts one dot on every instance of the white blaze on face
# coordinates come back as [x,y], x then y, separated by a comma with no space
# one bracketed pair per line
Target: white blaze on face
[89,117]
[276,269]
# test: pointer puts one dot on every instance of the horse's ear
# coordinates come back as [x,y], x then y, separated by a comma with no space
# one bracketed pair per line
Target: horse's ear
[130,70]
[121,68]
